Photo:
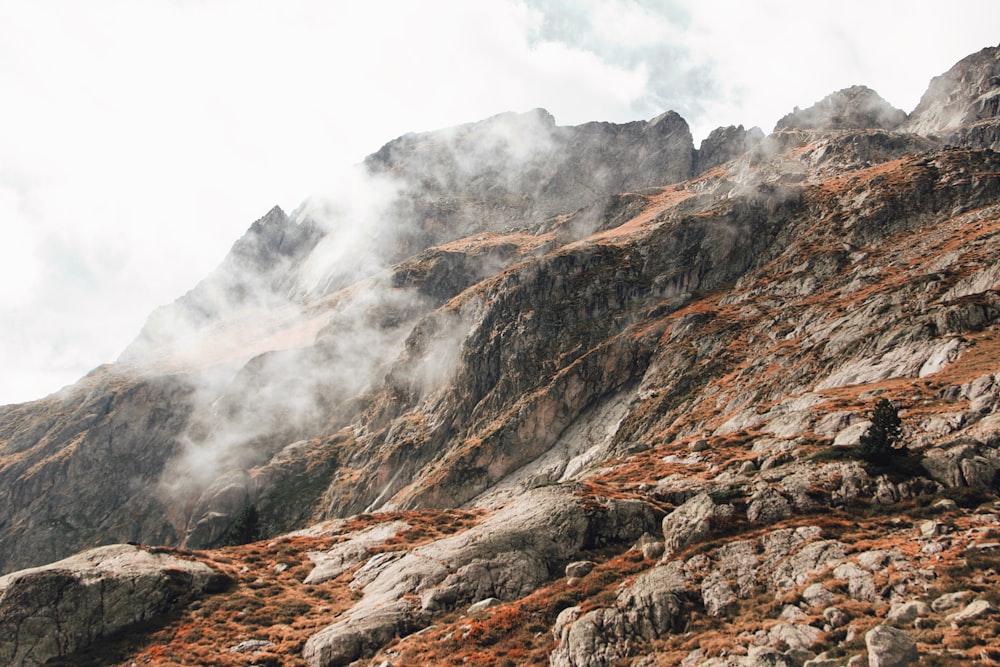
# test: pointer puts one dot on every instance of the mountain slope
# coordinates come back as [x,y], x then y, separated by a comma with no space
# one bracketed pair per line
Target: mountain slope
[571,344]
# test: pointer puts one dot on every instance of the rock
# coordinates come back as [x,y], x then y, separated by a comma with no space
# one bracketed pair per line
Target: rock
[359,635]
[963,464]
[765,656]
[931,528]
[854,107]
[815,595]
[650,607]
[836,617]
[963,95]
[252,646]
[716,594]
[822,661]
[690,522]
[725,143]
[793,636]
[699,445]
[889,647]
[851,435]
[860,584]
[768,506]
[483,605]
[973,610]
[354,550]
[565,617]
[578,569]
[907,612]
[791,612]
[878,559]
[950,600]
[57,609]
[808,560]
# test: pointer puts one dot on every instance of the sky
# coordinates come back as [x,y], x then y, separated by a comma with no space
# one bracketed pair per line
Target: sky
[140,138]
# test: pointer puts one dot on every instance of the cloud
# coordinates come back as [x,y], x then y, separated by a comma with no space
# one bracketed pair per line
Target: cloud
[140,139]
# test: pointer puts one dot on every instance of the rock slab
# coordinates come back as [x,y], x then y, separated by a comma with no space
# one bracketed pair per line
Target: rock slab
[56,609]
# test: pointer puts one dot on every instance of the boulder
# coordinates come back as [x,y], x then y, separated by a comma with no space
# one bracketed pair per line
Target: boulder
[56,609]
[690,522]
[650,607]
[889,647]
[973,610]
[579,568]
[907,612]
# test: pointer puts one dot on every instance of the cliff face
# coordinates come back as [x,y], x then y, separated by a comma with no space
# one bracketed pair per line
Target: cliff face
[562,337]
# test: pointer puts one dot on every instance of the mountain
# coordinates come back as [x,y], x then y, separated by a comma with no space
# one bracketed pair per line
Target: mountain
[532,394]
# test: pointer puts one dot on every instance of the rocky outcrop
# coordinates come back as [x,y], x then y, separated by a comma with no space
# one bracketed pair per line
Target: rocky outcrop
[57,609]
[516,170]
[963,103]
[506,556]
[723,144]
[856,107]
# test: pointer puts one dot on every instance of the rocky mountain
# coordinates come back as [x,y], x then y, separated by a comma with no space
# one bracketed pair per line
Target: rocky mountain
[531,394]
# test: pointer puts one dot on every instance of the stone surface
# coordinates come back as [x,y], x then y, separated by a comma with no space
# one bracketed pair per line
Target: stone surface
[889,647]
[54,610]
[690,522]
[973,610]
[907,612]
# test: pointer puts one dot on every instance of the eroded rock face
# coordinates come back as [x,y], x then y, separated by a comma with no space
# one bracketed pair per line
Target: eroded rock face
[57,609]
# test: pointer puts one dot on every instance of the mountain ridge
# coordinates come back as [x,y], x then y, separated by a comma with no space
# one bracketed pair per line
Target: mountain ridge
[570,334]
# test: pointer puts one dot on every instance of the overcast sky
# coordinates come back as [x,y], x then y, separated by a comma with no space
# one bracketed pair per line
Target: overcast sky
[140,138]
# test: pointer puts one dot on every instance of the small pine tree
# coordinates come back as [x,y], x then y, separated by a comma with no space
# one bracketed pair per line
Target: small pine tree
[245,529]
[878,444]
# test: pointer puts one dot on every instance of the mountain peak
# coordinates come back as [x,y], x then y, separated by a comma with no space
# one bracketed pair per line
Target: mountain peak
[857,107]
[967,93]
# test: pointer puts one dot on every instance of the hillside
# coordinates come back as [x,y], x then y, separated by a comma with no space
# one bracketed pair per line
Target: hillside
[532,394]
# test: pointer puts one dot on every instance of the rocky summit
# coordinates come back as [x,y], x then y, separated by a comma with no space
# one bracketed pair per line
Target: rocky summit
[526,394]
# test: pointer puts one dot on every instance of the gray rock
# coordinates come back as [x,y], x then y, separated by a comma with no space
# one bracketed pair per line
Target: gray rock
[344,555]
[580,568]
[860,584]
[950,600]
[815,595]
[690,522]
[652,606]
[699,445]
[930,528]
[851,435]
[973,610]
[252,646]
[808,560]
[765,656]
[56,609]
[768,506]
[794,636]
[889,647]
[565,617]
[716,594]
[483,605]
[907,612]
[359,635]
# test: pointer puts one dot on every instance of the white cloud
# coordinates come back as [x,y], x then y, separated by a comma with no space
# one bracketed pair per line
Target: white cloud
[139,140]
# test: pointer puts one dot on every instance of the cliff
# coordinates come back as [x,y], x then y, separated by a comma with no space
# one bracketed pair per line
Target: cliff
[568,396]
